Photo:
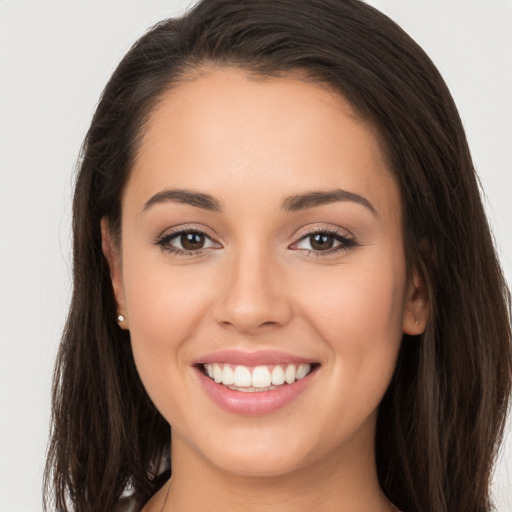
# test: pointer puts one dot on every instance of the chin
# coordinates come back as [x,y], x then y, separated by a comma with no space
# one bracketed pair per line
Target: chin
[260,456]
[257,465]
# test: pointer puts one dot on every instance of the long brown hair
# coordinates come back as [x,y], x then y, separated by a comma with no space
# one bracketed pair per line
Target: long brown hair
[442,418]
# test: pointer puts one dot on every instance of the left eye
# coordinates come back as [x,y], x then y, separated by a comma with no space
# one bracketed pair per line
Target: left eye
[323,242]
[186,241]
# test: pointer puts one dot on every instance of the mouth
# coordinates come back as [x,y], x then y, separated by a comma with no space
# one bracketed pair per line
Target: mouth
[255,383]
[256,379]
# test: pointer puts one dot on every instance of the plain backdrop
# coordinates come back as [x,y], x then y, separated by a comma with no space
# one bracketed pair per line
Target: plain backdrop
[55,58]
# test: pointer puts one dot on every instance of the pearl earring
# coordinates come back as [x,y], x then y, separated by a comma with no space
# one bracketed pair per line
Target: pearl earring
[120,318]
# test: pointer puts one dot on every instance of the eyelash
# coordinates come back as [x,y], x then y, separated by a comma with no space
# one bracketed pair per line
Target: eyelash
[345,243]
[164,242]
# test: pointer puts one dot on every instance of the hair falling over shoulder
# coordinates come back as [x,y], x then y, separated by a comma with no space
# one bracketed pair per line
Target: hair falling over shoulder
[442,419]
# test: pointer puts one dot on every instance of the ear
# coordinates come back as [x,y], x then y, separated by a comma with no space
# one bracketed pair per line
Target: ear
[113,257]
[416,309]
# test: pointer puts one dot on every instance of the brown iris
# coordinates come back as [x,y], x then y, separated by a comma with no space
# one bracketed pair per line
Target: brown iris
[321,241]
[192,241]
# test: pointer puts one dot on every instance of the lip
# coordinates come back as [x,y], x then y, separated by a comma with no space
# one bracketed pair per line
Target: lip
[253,403]
[259,358]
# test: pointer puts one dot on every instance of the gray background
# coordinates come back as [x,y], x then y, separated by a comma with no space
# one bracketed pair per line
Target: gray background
[55,57]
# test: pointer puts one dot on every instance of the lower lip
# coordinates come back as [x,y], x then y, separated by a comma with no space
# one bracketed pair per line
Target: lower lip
[255,403]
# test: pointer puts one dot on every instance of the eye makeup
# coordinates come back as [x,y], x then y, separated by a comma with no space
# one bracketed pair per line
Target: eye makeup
[317,241]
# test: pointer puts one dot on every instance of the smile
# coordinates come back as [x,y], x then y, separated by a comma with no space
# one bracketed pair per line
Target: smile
[254,383]
[257,378]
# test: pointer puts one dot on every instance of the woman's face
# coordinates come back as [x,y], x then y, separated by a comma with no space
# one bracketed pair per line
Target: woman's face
[262,240]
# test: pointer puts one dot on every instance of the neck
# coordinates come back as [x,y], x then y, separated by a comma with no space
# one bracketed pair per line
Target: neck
[344,480]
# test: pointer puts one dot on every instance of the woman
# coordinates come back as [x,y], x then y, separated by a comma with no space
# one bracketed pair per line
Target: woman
[281,256]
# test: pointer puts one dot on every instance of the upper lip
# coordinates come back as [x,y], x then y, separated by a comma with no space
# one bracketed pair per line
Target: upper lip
[258,358]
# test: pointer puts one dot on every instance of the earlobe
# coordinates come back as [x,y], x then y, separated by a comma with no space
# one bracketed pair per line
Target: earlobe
[417,306]
[111,253]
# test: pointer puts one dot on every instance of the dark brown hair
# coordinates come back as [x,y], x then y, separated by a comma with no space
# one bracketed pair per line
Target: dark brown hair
[442,418]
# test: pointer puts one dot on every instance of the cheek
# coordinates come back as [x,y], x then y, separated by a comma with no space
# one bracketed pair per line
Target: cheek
[164,306]
[358,310]
[162,298]
[358,317]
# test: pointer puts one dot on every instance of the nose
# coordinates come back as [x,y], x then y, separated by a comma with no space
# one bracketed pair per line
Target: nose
[253,295]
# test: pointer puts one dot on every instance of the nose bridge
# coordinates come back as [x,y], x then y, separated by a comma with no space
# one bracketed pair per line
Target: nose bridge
[253,294]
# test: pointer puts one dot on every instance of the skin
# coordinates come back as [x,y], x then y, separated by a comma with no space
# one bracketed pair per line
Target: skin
[251,143]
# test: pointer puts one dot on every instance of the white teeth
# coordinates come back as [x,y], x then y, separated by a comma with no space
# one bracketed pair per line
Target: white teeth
[302,371]
[242,376]
[217,373]
[259,377]
[277,376]
[289,374]
[227,375]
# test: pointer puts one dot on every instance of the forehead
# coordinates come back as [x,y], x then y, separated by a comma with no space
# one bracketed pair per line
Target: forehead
[224,126]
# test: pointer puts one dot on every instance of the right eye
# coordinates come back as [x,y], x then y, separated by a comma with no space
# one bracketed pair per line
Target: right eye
[187,242]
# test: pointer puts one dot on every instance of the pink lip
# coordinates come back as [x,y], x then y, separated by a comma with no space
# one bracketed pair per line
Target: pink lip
[262,357]
[257,403]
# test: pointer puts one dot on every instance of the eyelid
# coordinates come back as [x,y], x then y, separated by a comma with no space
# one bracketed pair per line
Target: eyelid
[168,234]
[322,228]
[345,237]
[186,228]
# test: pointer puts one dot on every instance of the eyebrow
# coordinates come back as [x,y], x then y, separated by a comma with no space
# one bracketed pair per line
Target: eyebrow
[291,204]
[197,199]
[312,199]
